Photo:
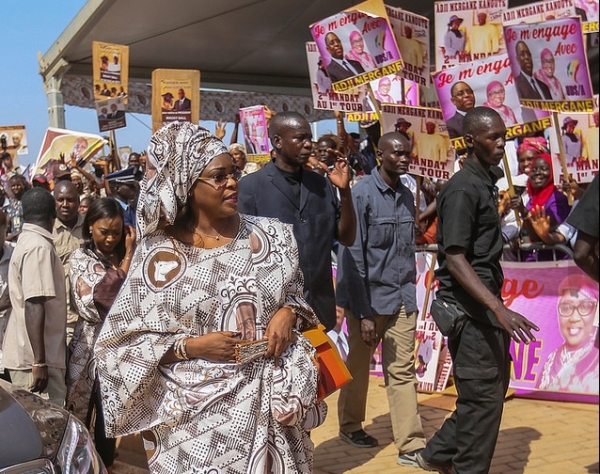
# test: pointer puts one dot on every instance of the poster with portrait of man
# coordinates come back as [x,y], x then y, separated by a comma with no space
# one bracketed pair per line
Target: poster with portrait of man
[549,65]
[425,130]
[13,139]
[467,31]
[57,141]
[255,132]
[110,71]
[175,96]
[324,97]
[538,11]
[357,45]
[580,139]
[111,114]
[486,82]
[412,36]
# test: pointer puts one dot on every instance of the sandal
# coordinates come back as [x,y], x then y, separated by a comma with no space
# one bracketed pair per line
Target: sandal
[359,438]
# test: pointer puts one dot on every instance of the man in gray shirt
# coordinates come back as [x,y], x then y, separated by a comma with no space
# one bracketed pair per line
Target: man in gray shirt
[378,274]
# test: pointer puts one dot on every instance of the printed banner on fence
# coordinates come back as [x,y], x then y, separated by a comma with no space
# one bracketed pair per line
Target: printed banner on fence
[549,65]
[111,70]
[562,364]
[466,31]
[357,45]
[412,36]
[424,128]
[254,128]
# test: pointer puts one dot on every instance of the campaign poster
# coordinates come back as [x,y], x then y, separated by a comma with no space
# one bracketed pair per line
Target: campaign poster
[428,347]
[13,139]
[58,141]
[562,363]
[324,97]
[538,11]
[588,11]
[175,96]
[111,70]
[425,130]
[549,65]
[255,132]
[579,135]
[357,45]
[395,90]
[412,36]
[111,114]
[486,82]
[466,31]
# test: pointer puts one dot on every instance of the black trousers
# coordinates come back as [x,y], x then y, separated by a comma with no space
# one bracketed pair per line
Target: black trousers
[481,360]
[106,447]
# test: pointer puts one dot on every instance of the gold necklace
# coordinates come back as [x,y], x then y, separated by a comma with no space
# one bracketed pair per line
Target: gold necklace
[216,237]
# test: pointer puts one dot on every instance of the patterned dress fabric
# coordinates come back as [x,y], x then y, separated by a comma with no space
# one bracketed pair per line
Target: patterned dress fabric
[89,276]
[201,416]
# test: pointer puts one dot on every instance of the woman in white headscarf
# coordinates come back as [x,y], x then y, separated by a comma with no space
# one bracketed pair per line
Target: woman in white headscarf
[204,278]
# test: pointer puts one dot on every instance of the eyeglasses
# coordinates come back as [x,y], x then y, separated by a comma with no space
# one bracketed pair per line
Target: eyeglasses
[547,61]
[463,93]
[496,93]
[220,180]
[585,308]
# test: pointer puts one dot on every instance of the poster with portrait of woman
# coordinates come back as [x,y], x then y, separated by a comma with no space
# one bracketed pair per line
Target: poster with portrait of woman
[562,363]
[412,36]
[487,82]
[357,45]
[549,65]
[588,11]
[324,97]
[467,31]
[394,89]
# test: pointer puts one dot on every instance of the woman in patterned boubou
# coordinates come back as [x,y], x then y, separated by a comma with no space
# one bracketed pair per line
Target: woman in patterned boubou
[203,278]
[98,271]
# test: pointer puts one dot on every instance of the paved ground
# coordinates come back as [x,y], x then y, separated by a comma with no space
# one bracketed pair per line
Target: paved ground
[536,437]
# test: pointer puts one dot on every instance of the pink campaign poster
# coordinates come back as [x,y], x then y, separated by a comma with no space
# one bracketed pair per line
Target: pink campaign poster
[549,65]
[254,128]
[357,45]
[395,90]
[487,82]
[562,364]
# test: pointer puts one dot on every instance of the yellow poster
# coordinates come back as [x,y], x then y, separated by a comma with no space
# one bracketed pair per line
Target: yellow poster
[111,70]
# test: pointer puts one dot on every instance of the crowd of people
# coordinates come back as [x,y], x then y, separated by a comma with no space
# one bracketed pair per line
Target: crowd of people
[170,296]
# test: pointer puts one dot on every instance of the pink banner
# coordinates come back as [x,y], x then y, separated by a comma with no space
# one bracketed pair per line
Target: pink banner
[562,364]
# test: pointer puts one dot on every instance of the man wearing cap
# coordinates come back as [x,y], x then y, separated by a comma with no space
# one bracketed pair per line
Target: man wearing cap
[68,236]
[40,181]
[484,38]
[454,39]
[571,140]
[432,145]
[340,68]
[401,127]
[61,173]
[463,98]
[124,188]
[528,87]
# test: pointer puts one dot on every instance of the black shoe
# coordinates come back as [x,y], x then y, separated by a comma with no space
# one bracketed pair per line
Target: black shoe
[432,466]
[359,438]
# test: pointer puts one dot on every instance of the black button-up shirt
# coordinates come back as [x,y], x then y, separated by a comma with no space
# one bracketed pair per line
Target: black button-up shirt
[468,218]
